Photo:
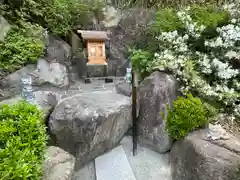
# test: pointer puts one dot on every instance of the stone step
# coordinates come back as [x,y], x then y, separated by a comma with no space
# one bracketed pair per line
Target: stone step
[114,165]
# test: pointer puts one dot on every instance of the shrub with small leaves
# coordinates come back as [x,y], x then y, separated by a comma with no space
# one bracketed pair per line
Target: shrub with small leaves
[187,114]
[210,110]
[22,142]
[18,49]
[59,16]
[166,20]
[140,61]
[209,16]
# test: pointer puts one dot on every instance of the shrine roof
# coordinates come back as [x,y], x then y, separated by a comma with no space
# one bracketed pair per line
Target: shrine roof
[93,35]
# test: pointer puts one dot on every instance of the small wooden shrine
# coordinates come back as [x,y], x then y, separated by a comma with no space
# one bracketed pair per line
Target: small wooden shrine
[95,43]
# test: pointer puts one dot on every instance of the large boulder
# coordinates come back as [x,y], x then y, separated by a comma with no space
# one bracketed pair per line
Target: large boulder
[155,93]
[58,165]
[205,156]
[90,123]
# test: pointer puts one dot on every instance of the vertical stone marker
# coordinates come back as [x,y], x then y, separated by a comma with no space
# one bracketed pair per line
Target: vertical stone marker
[156,92]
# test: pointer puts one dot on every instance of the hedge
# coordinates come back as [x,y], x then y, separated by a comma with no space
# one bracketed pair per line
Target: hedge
[22,142]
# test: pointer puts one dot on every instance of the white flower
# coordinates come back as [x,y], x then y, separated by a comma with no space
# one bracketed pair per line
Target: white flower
[219,41]
[215,63]
[232,54]
[233,21]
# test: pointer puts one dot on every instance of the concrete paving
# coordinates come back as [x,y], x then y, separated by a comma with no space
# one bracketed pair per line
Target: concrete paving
[147,164]
[114,165]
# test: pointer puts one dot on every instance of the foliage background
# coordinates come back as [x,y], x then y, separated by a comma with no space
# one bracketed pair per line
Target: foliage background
[25,43]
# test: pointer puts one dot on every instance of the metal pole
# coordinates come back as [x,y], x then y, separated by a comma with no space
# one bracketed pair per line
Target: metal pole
[134,112]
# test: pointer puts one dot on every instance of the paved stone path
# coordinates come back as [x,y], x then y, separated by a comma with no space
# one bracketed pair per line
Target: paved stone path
[146,165]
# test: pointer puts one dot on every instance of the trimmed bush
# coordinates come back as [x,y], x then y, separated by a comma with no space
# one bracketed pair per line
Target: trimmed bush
[22,142]
[186,115]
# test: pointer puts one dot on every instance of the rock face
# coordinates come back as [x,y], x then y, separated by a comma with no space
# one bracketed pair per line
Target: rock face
[111,16]
[4,28]
[59,165]
[124,27]
[155,93]
[89,124]
[54,73]
[200,157]
[59,50]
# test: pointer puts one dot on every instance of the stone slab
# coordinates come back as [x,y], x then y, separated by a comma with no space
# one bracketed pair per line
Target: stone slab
[114,166]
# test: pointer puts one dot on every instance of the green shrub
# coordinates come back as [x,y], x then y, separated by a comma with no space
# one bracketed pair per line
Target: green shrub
[210,110]
[159,3]
[186,115]
[166,20]
[19,49]
[208,16]
[59,16]
[140,60]
[63,15]
[22,142]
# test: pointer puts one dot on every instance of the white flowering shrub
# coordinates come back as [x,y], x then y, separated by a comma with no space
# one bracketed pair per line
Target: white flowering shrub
[206,65]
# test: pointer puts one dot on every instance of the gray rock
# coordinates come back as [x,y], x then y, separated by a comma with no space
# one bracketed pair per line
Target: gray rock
[198,157]
[12,82]
[124,88]
[111,16]
[59,165]
[58,50]
[52,70]
[125,28]
[86,173]
[4,28]
[45,100]
[156,92]
[11,101]
[54,73]
[89,124]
